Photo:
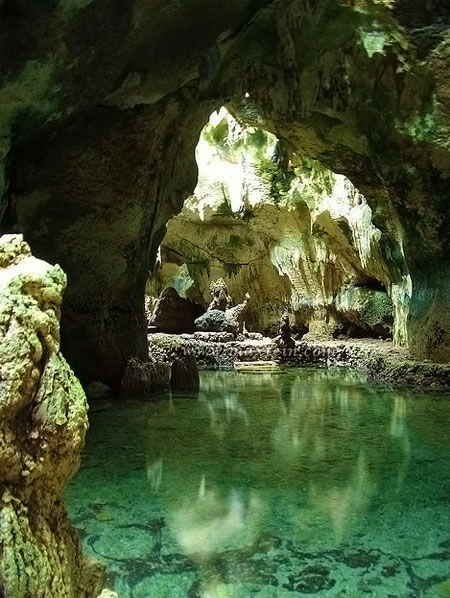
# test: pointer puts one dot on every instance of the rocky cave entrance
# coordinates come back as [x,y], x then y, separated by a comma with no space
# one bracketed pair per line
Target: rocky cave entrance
[279,225]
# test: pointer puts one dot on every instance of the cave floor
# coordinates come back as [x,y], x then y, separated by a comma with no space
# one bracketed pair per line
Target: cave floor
[299,483]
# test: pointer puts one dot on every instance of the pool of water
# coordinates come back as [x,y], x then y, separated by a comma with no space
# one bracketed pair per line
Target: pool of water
[306,482]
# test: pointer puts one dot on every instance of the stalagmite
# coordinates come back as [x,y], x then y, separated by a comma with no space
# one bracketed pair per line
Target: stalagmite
[43,413]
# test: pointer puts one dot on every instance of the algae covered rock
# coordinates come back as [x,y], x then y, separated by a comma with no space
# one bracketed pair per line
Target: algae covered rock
[175,356]
[43,414]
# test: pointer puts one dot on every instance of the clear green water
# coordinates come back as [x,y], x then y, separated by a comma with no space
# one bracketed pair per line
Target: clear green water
[304,483]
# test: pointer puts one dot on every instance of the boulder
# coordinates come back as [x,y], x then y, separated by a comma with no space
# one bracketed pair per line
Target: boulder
[216,320]
[175,354]
[231,320]
[184,374]
[43,413]
[144,376]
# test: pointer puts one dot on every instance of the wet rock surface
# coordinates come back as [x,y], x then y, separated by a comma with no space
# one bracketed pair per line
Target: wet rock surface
[176,358]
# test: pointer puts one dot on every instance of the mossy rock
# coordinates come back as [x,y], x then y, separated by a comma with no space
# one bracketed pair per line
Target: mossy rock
[167,342]
[443,589]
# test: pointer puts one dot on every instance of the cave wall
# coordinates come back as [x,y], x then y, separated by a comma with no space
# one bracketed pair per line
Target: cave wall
[354,85]
[87,87]
[107,192]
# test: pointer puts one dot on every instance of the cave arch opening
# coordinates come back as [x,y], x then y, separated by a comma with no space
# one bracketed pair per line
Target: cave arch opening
[275,223]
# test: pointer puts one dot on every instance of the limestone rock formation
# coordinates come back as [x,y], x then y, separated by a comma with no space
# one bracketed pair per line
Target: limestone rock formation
[220,298]
[184,373]
[176,357]
[284,340]
[299,246]
[103,103]
[216,320]
[229,320]
[238,312]
[43,415]
[145,376]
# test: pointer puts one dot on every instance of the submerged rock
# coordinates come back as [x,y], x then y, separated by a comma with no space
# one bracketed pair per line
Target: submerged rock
[43,414]
[97,390]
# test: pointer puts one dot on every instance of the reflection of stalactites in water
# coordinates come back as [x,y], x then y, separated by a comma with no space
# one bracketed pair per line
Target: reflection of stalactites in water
[209,522]
[345,505]
[154,474]
[223,411]
[202,487]
[217,427]
[398,418]
[399,432]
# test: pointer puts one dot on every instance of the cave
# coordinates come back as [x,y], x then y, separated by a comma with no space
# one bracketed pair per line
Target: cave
[102,106]
[298,237]
[98,148]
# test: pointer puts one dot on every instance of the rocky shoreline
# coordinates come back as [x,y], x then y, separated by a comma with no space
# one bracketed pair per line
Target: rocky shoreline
[379,360]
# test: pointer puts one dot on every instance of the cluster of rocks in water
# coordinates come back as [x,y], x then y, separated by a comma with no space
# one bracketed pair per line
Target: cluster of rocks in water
[378,359]
[171,362]
[174,314]
[218,339]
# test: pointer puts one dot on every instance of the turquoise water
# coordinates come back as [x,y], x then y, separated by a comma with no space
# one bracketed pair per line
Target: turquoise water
[303,483]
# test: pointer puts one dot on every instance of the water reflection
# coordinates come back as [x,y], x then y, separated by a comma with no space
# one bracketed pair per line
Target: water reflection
[223,411]
[264,485]
[314,450]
